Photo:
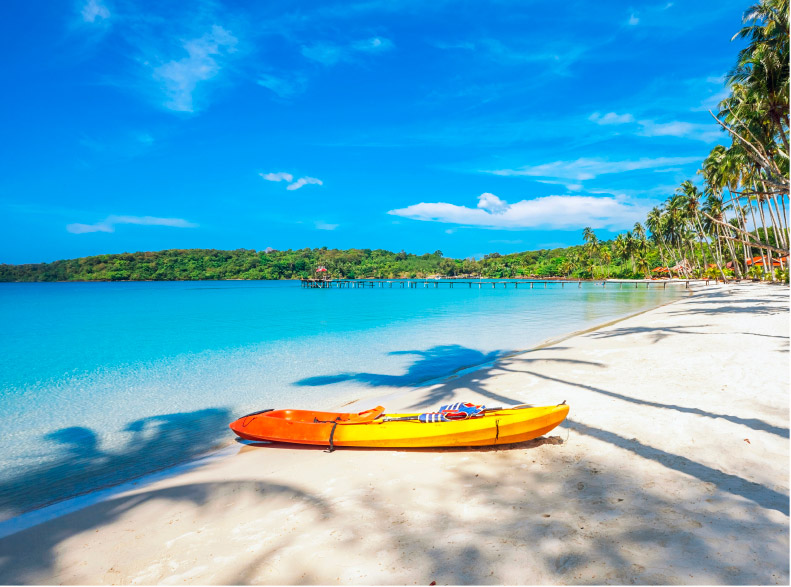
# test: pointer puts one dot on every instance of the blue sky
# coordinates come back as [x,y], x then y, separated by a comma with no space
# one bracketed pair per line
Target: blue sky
[467,127]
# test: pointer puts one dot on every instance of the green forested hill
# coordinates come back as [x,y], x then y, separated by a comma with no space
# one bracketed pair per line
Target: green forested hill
[197,264]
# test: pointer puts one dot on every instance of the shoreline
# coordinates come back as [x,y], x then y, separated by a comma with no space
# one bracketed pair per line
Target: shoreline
[464,351]
[719,467]
[232,446]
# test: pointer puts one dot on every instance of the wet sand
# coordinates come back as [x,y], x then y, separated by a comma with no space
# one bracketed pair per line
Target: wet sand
[673,467]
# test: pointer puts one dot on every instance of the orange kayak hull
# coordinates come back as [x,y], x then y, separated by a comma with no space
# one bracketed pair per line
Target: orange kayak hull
[368,429]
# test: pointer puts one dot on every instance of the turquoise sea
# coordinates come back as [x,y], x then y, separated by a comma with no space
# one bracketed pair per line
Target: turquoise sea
[102,382]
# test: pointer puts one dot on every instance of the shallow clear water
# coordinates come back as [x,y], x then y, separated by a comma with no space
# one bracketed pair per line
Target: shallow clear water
[100,382]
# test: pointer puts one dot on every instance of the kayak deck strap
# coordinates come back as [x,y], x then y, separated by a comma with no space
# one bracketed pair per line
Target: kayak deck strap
[332,431]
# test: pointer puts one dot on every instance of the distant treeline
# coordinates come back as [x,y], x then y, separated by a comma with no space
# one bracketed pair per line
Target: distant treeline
[200,264]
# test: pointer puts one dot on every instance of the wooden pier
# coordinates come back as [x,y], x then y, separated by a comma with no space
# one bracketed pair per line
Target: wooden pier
[485,283]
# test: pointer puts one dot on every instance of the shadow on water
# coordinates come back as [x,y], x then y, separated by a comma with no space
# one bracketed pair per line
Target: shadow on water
[81,465]
[435,362]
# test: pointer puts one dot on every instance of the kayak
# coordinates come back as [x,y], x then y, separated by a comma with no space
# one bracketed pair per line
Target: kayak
[373,428]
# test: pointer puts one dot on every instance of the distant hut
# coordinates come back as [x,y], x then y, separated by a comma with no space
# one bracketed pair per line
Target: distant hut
[781,262]
[661,271]
[322,273]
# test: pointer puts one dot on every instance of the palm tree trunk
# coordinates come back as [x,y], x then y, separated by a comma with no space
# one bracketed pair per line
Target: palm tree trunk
[775,228]
[737,268]
[742,220]
[769,264]
[781,223]
[755,227]
[715,258]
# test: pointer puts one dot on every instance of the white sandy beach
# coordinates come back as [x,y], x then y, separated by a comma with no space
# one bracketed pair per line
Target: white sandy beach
[673,467]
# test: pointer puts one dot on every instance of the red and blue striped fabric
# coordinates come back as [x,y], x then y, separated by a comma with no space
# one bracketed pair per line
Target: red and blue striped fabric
[451,412]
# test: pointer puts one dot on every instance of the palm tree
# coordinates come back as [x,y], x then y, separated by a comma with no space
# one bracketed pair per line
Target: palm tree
[591,246]
[631,247]
[693,195]
[746,184]
[606,256]
[654,222]
[641,249]
[762,66]
[676,233]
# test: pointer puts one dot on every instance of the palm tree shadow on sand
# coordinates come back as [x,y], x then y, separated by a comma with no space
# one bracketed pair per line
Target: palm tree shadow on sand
[80,464]
[432,369]
[433,363]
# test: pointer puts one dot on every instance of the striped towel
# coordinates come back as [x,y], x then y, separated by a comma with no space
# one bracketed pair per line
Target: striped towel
[451,412]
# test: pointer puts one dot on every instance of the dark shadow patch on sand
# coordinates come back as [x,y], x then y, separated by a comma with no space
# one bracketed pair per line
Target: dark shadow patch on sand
[432,364]
[755,310]
[763,496]
[527,444]
[25,559]
[80,465]
[656,334]
[753,423]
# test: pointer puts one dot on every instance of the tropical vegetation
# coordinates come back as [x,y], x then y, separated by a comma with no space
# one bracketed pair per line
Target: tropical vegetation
[197,264]
[736,224]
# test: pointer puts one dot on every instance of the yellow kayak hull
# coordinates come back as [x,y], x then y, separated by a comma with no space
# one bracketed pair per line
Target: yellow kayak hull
[493,428]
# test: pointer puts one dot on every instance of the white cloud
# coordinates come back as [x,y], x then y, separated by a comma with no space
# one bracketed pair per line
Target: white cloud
[279,176]
[94,9]
[287,177]
[325,226]
[78,228]
[331,54]
[562,212]
[465,45]
[676,128]
[688,130]
[492,203]
[712,102]
[109,223]
[611,118]
[304,181]
[285,88]
[373,45]
[181,77]
[324,53]
[633,20]
[572,187]
[556,56]
[589,168]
